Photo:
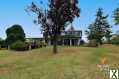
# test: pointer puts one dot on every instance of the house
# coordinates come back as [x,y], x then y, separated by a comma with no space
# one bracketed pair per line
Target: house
[70,37]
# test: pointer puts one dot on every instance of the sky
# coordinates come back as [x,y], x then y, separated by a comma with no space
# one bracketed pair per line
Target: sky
[13,12]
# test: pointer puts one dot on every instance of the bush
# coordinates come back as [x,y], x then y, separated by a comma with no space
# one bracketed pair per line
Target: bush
[19,46]
[115,41]
[34,45]
[41,44]
[0,47]
[3,44]
[82,42]
[93,43]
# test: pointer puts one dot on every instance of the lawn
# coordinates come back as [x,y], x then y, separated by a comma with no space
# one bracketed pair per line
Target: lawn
[69,63]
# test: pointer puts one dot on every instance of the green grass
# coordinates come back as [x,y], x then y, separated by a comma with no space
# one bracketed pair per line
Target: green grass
[69,63]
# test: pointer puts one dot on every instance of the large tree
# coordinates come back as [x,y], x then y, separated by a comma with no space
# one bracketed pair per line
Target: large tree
[116,16]
[53,20]
[99,28]
[15,33]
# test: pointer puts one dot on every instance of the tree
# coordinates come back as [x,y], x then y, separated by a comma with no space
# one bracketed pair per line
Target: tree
[115,40]
[108,34]
[116,15]
[53,20]
[0,42]
[100,28]
[15,33]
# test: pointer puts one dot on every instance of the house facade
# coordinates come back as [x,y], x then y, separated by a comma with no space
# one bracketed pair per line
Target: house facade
[71,37]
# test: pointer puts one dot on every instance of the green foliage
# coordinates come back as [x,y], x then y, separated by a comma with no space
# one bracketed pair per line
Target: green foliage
[41,44]
[15,33]
[82,42]
[115,40]
[11,38]
[3,43]
[99,28]
[93,43]
[116,15]
[0,41]
[19,46]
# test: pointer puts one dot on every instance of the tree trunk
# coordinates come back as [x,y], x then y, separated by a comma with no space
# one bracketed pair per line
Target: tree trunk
[55,45]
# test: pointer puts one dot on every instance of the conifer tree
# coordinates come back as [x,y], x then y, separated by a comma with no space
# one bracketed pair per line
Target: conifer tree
[99,28]
[116,16]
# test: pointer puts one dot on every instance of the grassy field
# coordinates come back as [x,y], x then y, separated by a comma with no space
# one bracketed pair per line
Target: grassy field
[69,63]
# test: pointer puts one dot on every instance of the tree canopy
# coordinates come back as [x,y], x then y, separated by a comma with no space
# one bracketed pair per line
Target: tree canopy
[53,20]
[99,28]
[15,33]
[116,15]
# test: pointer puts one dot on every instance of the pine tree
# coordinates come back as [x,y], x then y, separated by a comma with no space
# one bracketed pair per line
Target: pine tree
[116,16]
[100,28]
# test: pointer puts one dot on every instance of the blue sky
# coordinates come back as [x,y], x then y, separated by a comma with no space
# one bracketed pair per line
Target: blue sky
[12,12]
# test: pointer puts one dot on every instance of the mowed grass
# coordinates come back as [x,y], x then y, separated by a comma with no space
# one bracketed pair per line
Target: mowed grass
[69,63]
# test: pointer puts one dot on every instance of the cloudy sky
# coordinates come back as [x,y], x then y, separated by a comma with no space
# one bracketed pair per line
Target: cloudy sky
[12,12]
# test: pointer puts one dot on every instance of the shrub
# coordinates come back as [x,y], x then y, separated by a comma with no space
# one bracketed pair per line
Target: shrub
[115,41]
[82,42]
[0,47]
[93,43]
[41,44]
[3,44]
[19,46]
[34,45]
